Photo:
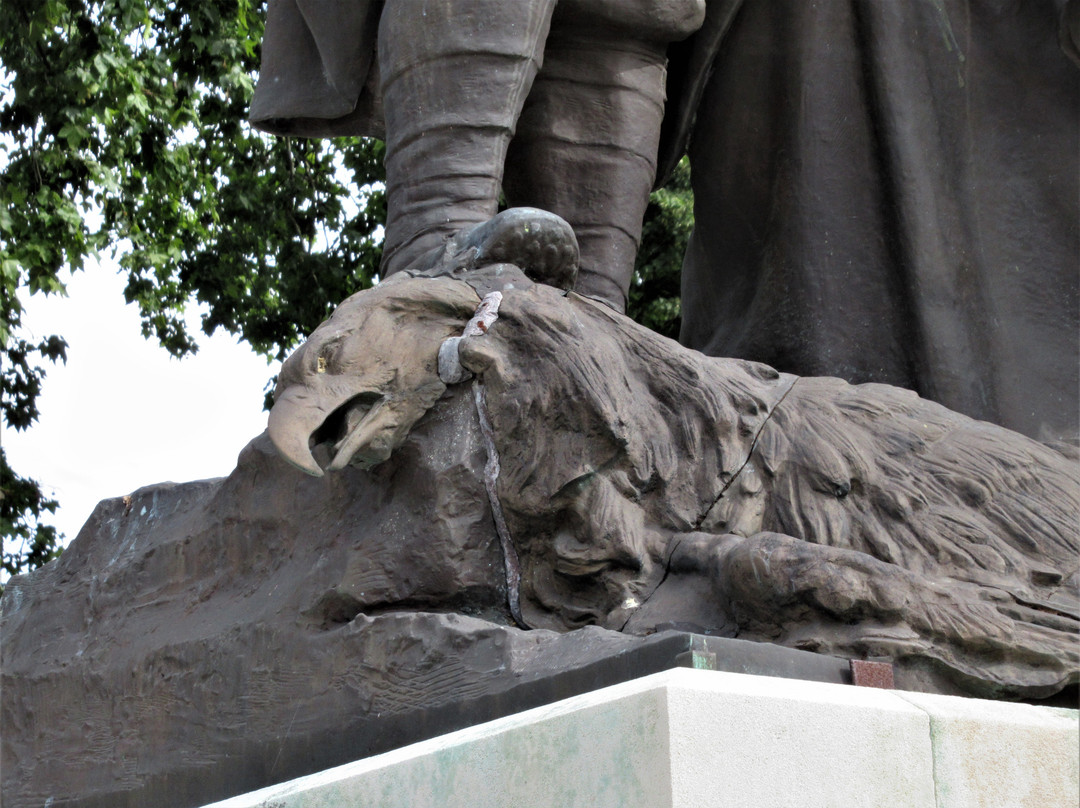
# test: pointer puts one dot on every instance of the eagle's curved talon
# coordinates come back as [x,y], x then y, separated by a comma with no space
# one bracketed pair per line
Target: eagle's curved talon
[542,244]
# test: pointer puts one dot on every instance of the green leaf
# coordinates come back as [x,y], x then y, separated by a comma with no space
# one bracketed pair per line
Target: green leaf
[9,268]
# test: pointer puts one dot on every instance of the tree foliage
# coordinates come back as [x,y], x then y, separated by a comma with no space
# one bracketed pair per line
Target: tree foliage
[28,542]
[123,131]
[655,291]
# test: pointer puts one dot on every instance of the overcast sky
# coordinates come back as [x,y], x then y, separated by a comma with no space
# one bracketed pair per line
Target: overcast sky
[123,414]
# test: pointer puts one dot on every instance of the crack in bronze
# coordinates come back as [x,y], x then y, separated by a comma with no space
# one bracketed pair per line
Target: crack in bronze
[749,454]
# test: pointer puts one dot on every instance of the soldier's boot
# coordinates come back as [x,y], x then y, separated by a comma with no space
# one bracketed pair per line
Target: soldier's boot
[454,77]
[586,144]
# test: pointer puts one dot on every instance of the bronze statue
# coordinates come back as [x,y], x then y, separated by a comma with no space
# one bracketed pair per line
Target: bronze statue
[637,484]
[890,510]
[232,633]
[884,192]
[907,503]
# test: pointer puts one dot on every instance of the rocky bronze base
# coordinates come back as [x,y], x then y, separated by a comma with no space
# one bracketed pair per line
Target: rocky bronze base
[206,639]
[179,653]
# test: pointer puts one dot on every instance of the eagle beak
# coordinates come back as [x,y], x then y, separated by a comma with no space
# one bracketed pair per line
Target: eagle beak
[293,420]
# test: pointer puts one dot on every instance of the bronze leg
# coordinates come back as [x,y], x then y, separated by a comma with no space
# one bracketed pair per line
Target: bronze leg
[454,76]
[587,138]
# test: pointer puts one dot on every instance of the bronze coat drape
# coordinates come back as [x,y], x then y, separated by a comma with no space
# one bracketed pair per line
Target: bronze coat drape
[318,75]
[887,190]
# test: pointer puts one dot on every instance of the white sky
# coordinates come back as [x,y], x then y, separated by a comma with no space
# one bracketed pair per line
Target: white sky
[122,413]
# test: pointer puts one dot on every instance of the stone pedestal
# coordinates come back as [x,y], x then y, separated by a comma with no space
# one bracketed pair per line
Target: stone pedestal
[689,737]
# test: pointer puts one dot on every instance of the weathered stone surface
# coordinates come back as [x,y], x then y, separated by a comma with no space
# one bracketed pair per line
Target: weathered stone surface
[696,738]
[1002,754]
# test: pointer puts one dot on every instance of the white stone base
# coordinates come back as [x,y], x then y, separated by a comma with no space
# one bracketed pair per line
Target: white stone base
[702,738]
